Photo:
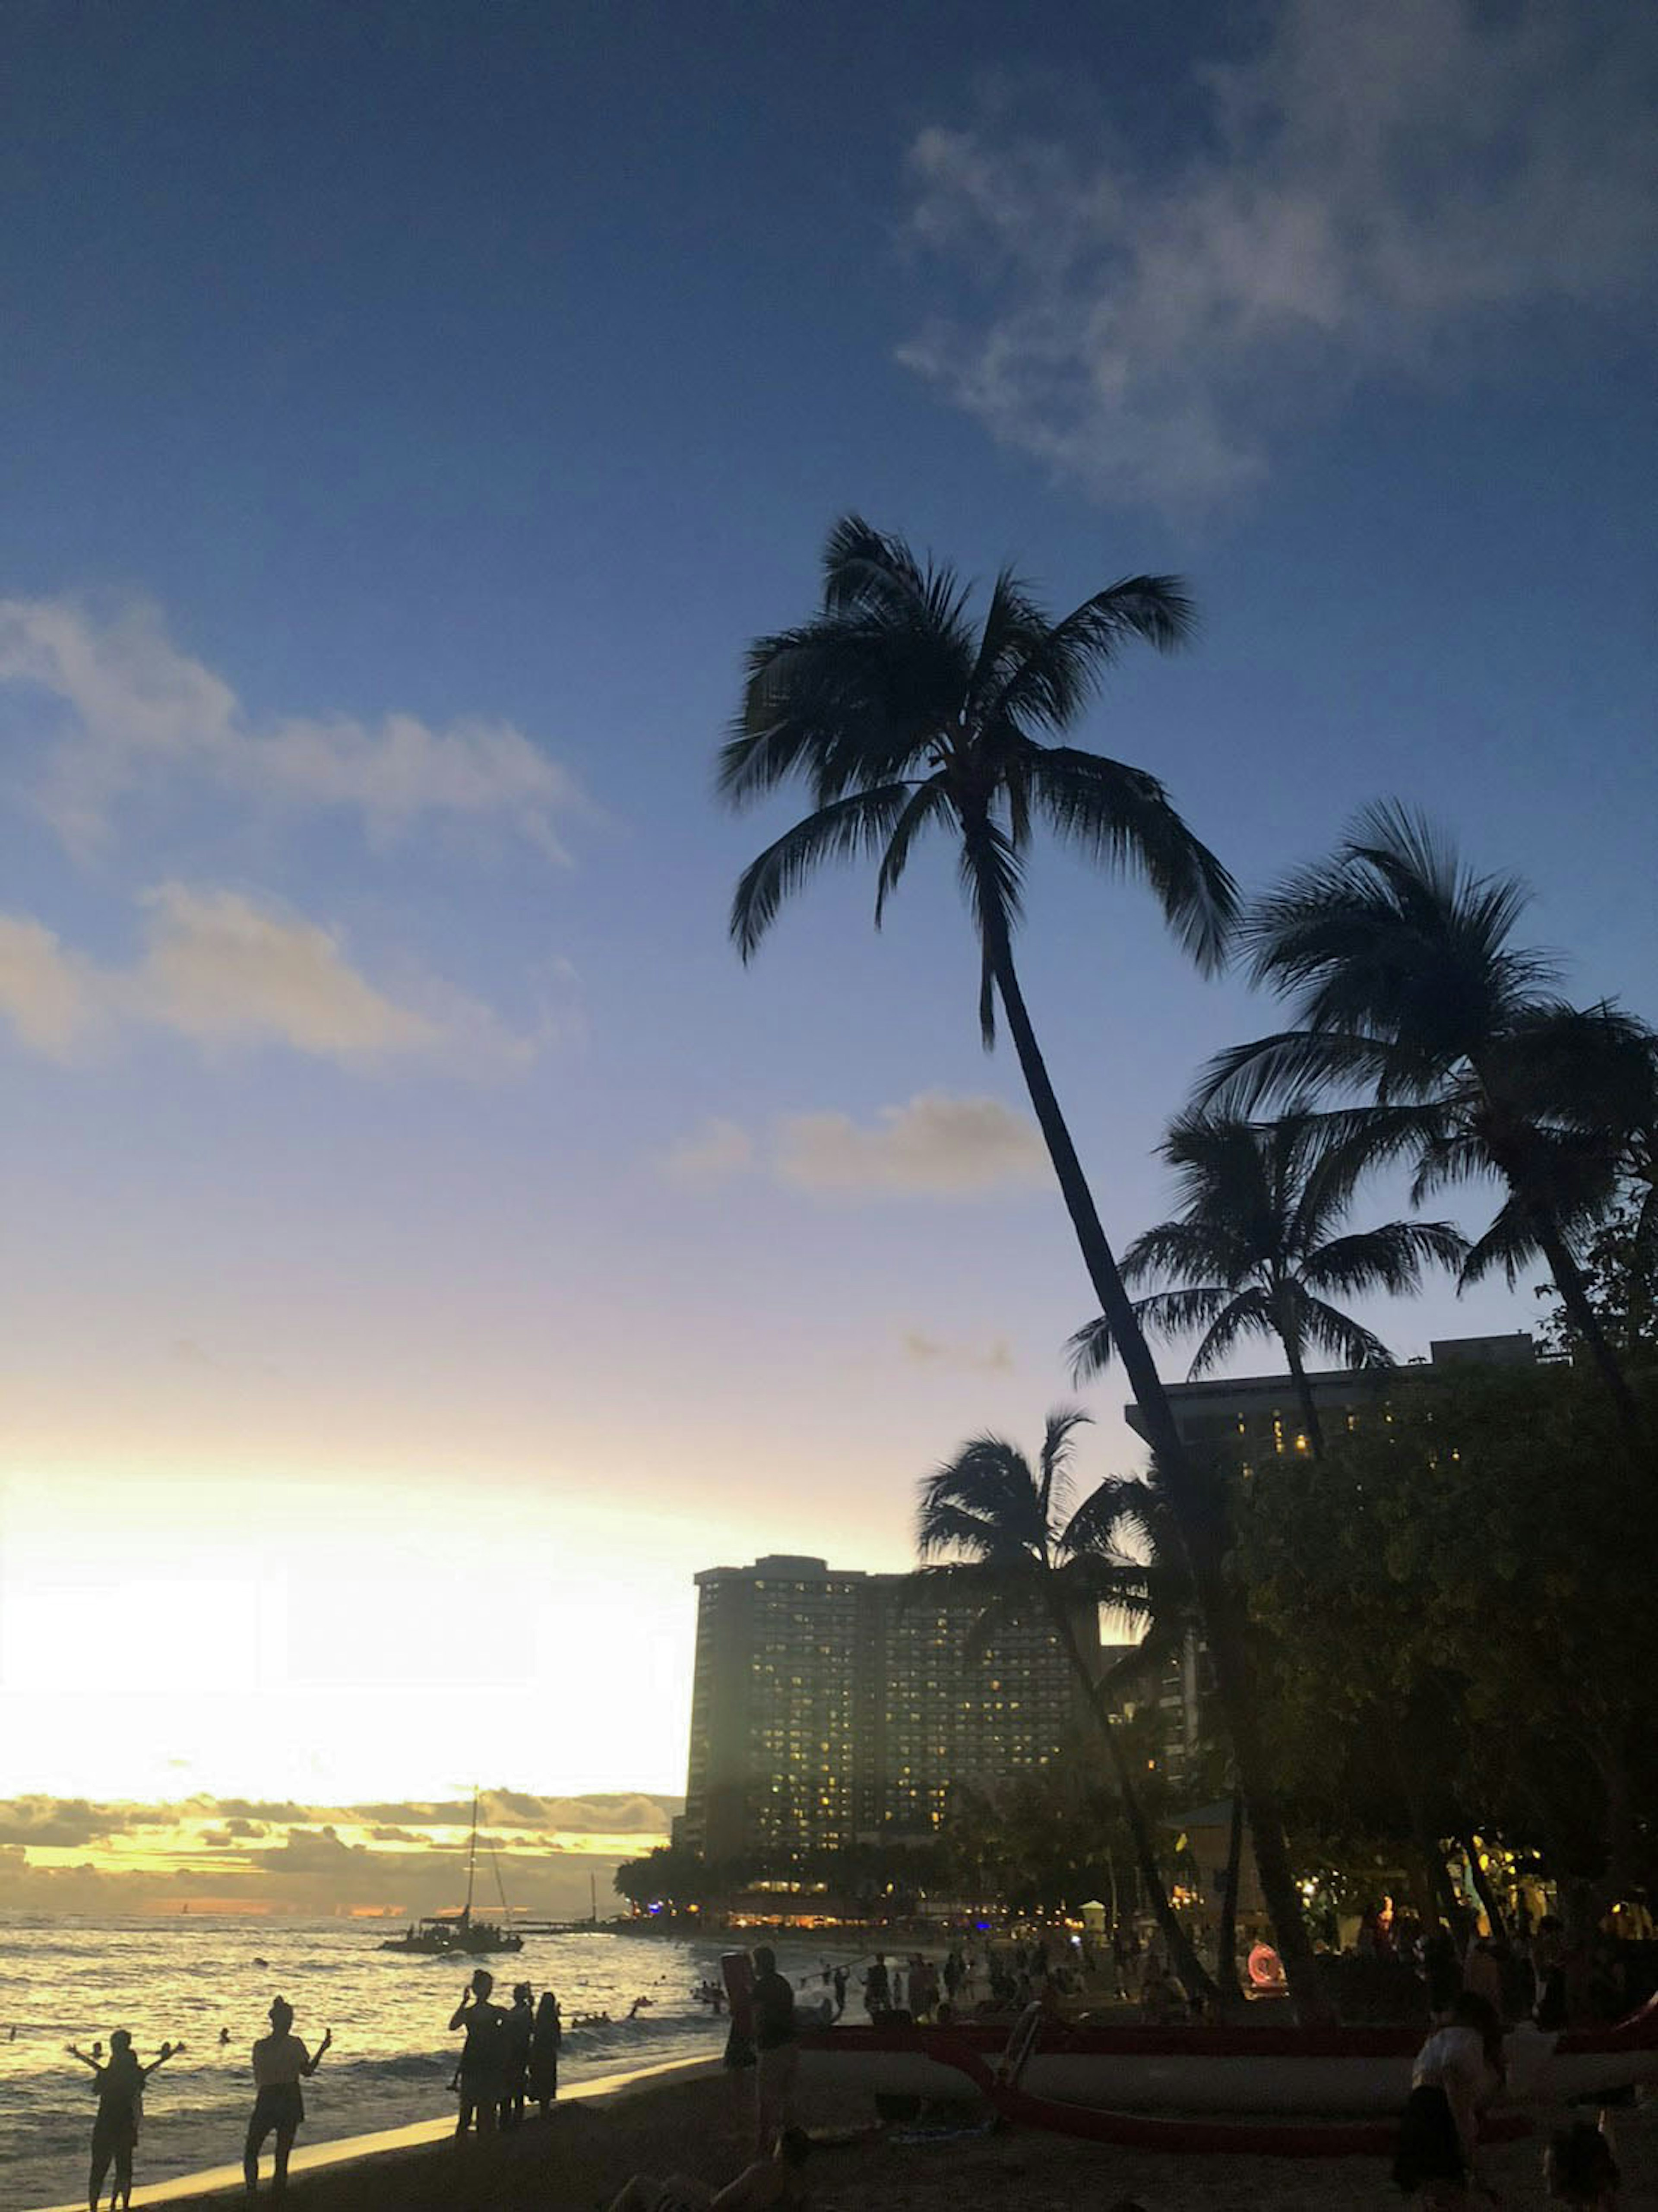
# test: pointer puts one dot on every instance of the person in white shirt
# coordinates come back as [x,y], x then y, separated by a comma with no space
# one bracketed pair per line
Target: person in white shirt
[280,2060]
[1458,2071]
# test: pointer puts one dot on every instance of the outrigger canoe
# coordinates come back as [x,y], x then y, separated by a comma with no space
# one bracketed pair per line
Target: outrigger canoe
[1123,2083]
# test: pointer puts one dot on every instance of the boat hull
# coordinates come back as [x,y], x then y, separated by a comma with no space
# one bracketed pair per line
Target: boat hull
[1262,2072]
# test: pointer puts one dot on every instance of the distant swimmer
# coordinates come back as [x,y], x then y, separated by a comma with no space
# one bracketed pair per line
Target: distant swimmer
[121,2087]
[224,2036]
[638,2005]
[262,1962]
[279,2061]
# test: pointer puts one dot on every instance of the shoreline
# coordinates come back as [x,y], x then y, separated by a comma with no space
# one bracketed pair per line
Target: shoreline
[696,2118]
[345,2151]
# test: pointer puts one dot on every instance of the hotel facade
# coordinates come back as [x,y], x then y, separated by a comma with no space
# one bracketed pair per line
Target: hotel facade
[831,1707]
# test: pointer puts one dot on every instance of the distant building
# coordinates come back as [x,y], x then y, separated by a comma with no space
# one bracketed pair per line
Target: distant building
[831,1707]
[1256,1417]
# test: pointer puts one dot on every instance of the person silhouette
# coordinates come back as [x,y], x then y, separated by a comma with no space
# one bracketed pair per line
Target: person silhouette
[279,2061]
[484,2056]
[120,2085]
[545,2039]
[520,2028]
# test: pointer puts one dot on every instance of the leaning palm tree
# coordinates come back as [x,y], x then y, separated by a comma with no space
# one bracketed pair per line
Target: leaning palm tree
[1020,1552]
[1252,1252]
[1405,985]
[898,716]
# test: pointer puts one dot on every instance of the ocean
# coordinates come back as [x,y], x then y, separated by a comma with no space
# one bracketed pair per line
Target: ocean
[187,1977]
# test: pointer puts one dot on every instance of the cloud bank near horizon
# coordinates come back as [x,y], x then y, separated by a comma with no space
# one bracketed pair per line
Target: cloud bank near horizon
[1375,192]
[74,1855]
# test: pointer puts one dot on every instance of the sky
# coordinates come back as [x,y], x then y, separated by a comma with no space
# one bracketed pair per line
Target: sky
[427,1245]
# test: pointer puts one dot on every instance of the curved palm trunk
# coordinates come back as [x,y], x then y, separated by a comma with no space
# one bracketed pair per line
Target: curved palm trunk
[1182,1955]
[1509,1155]
[1568,1281]
[1198,1520]
[1314,1426]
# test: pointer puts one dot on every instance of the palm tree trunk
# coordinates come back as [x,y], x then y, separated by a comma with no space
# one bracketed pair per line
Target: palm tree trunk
[1314,1427]
[1509,1156]
[1226,1944]
[1182,1956]
[1197,1515]
[1568,1281]
[1481,1885]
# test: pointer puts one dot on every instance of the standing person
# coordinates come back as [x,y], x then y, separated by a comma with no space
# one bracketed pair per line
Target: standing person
[840,1992]
[520,2028]
[121,2087]
[877,1996]
[777,2056]
[279,2060]
[897,1989]
[1458,2071]
[483,2055]
[545,2039]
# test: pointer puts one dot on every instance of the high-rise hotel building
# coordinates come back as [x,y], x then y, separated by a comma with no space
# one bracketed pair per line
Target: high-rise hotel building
[833,1707]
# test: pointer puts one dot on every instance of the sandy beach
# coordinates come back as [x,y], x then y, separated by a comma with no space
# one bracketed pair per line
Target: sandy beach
[699,2126]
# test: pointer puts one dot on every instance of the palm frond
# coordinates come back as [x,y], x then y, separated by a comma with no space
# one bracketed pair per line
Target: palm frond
[1014,626]
[1249,1314]
[867,570]
[1292,1064]
[1187,1248]
[1176,1313]
[929,804]
[1511,1243]
[1053,681]
[1089,1350]
[992,877]
[982,1502]
[1054,1459]
[1330,1330]
[861,822]
[1122,817]
[1391,1258]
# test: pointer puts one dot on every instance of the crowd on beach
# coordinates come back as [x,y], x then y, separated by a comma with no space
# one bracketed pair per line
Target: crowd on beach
[508,2059]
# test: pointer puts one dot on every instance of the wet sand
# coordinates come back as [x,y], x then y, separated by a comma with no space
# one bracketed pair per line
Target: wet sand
[700,2126]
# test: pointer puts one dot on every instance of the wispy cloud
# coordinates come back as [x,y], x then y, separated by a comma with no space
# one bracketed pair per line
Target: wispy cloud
[921,1350]
[1376,187]
[224,972]
[936,1145]
[120,708]
[709,1155]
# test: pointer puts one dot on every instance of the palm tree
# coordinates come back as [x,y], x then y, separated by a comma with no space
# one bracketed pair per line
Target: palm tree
[1024,1557]
[900,717]
[1251,1252]
[1406,985]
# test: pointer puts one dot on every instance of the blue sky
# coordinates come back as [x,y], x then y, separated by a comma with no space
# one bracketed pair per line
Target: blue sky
[412,414]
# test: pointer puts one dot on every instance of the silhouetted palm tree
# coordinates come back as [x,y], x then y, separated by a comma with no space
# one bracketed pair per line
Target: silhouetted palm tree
[1405,985]
[1251,1252]
[1024,1557]
[900,717]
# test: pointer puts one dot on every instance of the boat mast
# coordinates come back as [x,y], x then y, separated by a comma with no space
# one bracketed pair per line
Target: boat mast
[471,1863]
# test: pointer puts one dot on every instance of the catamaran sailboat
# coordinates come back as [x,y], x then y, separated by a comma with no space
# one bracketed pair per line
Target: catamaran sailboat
[458,1935]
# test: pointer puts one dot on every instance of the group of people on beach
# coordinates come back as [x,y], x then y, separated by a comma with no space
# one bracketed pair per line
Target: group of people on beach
[281,2062]
[510,2056]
